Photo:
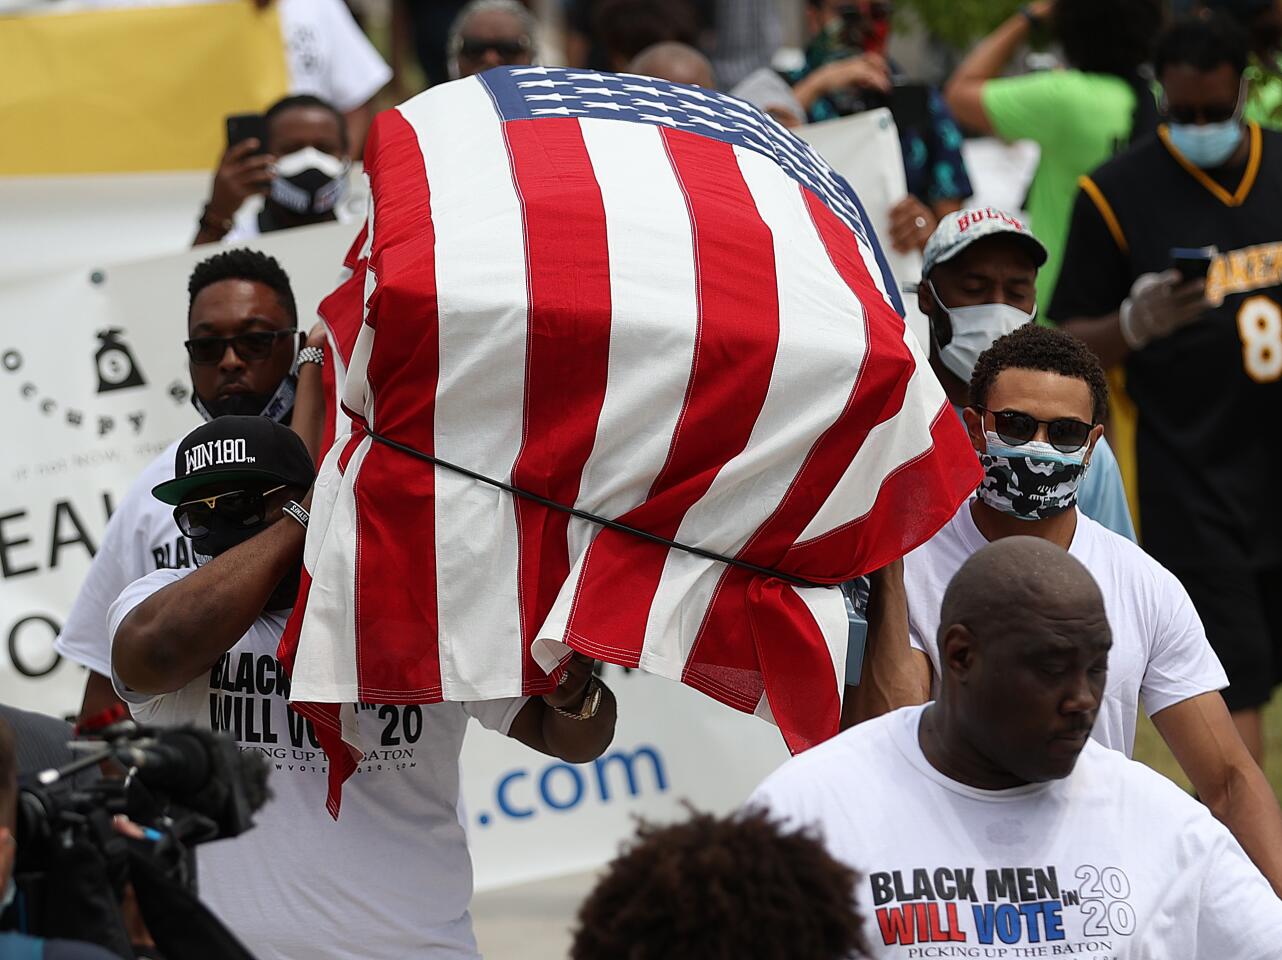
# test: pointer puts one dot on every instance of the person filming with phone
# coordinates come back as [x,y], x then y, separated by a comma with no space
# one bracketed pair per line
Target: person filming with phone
[846,72]
[1174,269]
[296,156]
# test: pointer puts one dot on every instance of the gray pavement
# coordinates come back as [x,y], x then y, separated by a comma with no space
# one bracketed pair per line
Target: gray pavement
[531,921]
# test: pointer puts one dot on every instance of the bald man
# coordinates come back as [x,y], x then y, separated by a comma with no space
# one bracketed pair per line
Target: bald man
[676,63]
[988,823]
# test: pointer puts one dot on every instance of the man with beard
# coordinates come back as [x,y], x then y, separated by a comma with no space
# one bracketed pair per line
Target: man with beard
[244,358]
[392,878]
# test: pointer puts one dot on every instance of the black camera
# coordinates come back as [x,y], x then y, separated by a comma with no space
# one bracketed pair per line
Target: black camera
[182,787]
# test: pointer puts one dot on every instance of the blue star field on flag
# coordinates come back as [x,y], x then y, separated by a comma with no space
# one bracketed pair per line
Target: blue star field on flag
[528,93]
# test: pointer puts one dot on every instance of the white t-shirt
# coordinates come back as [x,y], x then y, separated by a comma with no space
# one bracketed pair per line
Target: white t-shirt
[141,536]
[1160,654]
[392,878]
[1114,861]
[327,54]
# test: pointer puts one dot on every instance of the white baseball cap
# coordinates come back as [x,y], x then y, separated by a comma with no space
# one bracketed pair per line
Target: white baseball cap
[958,230]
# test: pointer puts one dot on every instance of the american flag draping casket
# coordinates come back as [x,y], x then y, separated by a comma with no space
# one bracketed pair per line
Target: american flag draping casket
[651,304]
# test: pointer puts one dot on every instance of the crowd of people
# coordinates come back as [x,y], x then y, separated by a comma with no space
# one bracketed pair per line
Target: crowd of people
[981,799]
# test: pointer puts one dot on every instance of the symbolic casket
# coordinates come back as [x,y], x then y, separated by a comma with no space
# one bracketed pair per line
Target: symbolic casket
[626,377]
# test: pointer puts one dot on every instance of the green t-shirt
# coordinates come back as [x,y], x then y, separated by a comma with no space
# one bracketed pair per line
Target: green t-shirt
[1264,94]
[1079,120]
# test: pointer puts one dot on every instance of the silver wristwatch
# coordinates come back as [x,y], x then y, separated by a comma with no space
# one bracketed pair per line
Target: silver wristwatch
[591,702]
[311,355]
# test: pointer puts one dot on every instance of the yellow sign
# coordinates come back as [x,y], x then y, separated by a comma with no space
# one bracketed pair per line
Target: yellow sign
[133,89]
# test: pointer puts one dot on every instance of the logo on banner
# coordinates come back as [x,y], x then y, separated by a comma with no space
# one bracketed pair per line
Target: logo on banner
[117,368]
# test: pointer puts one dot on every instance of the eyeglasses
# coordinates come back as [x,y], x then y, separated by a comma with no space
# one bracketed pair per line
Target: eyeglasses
[506,49]
[244,507]
[248,346]
[1065,434]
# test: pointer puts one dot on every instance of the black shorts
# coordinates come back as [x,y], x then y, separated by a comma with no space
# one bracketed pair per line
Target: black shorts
[1241,610]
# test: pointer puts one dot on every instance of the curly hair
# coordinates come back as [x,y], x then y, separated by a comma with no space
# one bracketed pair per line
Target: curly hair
[1108,36]
[1203,43]
[711,888]
[1034,347]
[243,265]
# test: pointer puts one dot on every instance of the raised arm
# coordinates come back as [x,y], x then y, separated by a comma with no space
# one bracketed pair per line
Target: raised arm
[964,92]
[180,631]
[894,674]
[541,727]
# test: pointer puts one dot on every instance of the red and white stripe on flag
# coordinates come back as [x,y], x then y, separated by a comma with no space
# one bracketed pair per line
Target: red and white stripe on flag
[644,323]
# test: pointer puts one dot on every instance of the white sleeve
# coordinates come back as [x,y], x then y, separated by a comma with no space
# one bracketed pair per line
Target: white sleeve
[1238,914]
[121,559]
[132,595]
[1182,664]
[356,71]
[496,715]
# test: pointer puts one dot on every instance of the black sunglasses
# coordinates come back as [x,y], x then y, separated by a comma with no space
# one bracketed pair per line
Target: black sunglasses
[244,507]
[1065,434]
[507,49]
[248,346]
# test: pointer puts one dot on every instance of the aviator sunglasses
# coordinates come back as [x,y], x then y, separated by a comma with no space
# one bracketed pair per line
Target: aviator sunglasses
[243,507]
[248,346]
[1016,428]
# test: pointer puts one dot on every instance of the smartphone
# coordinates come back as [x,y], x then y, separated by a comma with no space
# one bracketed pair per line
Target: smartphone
[242,126]
[1193,263]
[910,105]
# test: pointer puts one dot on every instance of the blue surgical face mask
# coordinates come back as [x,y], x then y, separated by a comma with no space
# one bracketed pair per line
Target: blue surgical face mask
[1206,145]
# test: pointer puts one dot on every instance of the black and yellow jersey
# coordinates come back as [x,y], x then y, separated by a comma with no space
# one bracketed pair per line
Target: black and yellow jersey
[1208,438]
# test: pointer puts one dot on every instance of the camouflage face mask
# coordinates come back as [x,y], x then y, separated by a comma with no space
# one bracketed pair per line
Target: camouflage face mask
[1032,481]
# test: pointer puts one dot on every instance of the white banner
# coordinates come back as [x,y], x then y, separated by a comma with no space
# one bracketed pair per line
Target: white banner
[530,816]
[95,383]
[94,380]
[864,148]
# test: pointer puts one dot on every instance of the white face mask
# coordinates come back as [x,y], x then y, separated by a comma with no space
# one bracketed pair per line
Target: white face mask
[974,330]
[309,182]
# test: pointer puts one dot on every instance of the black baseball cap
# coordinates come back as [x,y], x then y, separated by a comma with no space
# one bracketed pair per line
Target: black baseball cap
[237,448]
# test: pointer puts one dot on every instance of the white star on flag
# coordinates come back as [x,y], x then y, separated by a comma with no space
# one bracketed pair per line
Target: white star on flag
[663,119]
[616,107]
[594,77]
[541,71]
[542,83]
[557,97]
[656,105]
[558,111]
[653,91]
[600,91]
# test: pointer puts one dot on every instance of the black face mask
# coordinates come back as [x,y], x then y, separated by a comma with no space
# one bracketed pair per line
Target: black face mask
[278,405]
[223,536]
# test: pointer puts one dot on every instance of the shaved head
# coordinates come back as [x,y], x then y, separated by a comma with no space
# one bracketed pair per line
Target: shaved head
[1013,575]
[676,63]
[1023,650]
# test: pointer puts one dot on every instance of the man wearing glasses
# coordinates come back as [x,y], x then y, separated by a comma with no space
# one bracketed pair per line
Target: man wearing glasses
[392,877]
[490,33]
[1038,398]
[244,358]
[1198,334]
